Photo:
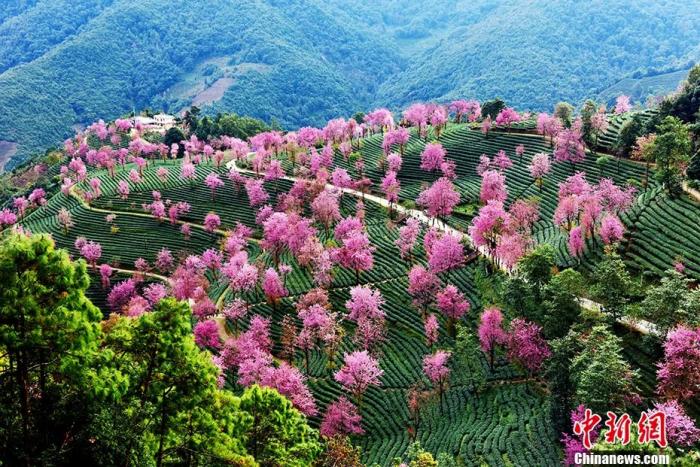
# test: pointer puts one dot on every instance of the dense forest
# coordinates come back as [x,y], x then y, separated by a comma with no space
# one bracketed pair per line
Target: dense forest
[67,63]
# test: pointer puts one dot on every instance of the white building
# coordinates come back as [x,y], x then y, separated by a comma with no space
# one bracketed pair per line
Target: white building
[160,123]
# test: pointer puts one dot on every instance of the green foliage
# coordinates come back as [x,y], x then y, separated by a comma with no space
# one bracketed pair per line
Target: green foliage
[671,151]
[559,380]
[601,376]
[630,131]
[538,266]
[173,408]
[671,302]
[467,359]
[565,112]
[611,284]
[277,433]
[560,300]
[173,136]
[48,343]
[685,104]
[492,108]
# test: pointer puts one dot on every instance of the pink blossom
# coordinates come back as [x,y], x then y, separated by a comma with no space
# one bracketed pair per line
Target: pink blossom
[679,371]
[431,326]
[364,302]
[164,260]
[491,332]
[136,307]
[435,367]
[256,193]
[155,293]
[326,207]
[422,286]
[92,252]
[432,157]
[206,334]
[440,198]
[493,187]
[105,274]
[507,117]
[359,372]
[341,178]
[680,427]
[446,253]
[622,104]
[162,173]
[576,243]
[213,182]
[452,302]
[611,229]
[569,144]
[502,161]
[408,235]
[526,345]
[8,218]
[394,161]
[212,222]
[341,418]
[123,189]
[272,285]
[120,294]
[540,165]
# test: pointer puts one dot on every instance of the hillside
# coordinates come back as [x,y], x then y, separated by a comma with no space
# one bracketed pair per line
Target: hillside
[302,62]
[495,411]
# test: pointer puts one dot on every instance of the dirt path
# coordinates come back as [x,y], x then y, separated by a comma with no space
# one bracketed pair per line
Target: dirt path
[644,327]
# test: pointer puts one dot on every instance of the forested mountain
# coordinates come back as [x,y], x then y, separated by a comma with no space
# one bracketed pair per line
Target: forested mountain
[65,63]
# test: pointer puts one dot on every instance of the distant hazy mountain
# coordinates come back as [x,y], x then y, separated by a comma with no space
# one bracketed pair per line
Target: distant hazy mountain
[67,62]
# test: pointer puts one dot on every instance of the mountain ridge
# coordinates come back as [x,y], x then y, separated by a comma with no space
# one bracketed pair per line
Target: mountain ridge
[103,58]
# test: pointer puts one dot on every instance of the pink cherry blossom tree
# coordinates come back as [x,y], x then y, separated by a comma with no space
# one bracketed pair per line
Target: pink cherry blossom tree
[273,287]
[526,345]
[358,373]
[440,198]
[326,208]
[356,253]
[453,304]
[64,218]
[493,187]
[211,222]
[570,146]
[422,286]
[213,182]
[622,104]
[680,428]
[92,252]
[507,117]
[431,327]
[408,235]
[436,369]
[679,371]
[491,333]
[446,254]
[341,418]
[432,157]
[539,167]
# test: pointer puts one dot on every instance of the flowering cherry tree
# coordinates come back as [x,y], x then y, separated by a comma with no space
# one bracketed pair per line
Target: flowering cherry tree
[526,345]
[491,333]
[358,373]
[341,418]
[436,369]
